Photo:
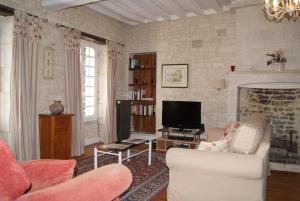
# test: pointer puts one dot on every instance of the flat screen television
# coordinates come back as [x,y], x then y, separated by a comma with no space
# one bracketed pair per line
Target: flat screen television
[181,114]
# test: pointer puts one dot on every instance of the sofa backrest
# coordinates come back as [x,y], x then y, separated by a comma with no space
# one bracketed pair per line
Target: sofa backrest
[13,179]
[263,148]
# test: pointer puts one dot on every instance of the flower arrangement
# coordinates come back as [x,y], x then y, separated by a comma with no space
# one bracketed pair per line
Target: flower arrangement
[276,57]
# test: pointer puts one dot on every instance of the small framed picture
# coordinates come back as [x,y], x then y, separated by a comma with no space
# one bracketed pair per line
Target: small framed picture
[49,63]
[175,75]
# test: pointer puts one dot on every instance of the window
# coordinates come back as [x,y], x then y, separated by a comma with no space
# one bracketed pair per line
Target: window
[89,80]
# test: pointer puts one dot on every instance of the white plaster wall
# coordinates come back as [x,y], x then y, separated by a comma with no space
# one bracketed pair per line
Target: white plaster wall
[81,18]
[256,36]
[172,40]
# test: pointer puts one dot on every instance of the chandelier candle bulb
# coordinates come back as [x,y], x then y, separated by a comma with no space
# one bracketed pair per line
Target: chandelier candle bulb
[277,9]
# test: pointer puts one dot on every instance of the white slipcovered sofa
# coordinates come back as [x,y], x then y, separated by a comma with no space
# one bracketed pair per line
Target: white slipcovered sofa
[218,176]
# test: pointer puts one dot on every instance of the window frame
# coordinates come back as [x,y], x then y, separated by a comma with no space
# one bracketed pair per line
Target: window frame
[83,44]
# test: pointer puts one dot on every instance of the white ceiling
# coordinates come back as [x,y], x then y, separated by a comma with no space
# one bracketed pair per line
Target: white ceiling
[134,12]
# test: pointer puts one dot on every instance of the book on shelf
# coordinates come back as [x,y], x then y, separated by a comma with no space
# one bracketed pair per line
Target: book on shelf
[150,110]
[141,109]
[134,109]
[135,94]
[133,63]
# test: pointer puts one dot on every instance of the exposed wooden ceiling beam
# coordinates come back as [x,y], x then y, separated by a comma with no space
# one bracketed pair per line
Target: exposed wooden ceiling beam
[116,7]
[62,4]
[112,14]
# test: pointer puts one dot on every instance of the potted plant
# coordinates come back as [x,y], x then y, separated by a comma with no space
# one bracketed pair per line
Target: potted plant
[277,60]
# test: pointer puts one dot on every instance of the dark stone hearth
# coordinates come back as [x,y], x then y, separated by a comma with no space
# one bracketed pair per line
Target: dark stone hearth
[282,108]
[268,92]
[278,97]
[291,97]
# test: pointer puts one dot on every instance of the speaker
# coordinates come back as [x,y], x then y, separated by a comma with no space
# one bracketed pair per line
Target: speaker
[123,119]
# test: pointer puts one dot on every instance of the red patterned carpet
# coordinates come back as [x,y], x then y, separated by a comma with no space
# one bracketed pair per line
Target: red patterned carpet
[148,181]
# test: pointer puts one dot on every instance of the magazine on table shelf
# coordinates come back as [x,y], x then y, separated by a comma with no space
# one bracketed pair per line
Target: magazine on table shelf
[133,141]
[115,146]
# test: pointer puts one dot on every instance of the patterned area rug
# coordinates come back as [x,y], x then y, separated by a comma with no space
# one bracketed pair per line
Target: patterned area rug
[148,181]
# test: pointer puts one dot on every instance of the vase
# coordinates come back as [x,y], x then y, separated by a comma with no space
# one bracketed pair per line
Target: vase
[56,107]
[278,67]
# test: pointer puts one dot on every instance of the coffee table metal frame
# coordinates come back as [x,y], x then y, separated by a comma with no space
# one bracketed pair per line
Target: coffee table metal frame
[98,152]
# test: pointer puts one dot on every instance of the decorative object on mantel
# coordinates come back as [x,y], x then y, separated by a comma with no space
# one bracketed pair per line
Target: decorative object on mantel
[277,60]
[232,68]
[175,75]
[277,9]
[49,55]
[56,107]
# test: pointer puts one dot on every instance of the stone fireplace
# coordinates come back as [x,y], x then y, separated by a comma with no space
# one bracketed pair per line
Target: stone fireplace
[282,108]
[277,95]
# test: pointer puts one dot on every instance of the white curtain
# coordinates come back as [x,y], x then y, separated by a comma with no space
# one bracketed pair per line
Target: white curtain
[73,103]
[23,112]
[110,112]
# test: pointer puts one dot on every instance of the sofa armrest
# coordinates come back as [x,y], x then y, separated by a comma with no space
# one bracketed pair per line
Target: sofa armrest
[214,134]
[219,163]
[105,183]
[46,172]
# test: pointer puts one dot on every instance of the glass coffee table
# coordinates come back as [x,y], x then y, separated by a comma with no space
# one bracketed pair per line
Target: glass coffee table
[125,145]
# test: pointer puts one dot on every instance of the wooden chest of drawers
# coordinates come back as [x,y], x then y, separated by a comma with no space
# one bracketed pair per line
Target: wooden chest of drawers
[55,136]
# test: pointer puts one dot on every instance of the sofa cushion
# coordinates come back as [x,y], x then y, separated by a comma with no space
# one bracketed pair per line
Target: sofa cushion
[231,129]
[216,146]
[48,172]
[247,139]
[13,179]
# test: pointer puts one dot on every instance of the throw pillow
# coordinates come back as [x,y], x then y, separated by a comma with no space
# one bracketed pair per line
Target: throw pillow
[247,139]
[13,179]
[231,129]
[216,146]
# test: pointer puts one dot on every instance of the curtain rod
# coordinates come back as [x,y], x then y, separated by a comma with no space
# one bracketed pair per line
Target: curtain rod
[90,37]
[7,11]
[45,20]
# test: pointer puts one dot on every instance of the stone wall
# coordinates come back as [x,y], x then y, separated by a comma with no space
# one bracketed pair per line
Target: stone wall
[208,60]
[282,108]
[256,36]
[241,38]
[81,18]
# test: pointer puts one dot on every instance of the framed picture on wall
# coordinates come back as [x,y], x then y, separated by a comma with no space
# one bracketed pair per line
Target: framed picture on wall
[175,75]
[49,55]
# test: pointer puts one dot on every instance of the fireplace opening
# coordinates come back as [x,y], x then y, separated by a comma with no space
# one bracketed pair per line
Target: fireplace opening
[282,108]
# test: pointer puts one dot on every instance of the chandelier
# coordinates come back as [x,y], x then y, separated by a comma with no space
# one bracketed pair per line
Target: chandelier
[277,9]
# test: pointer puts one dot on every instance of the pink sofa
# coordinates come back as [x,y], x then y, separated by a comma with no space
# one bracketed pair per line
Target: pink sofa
[51,180]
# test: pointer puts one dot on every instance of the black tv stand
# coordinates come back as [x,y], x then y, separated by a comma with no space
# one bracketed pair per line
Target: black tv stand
[181,134]
[183,138]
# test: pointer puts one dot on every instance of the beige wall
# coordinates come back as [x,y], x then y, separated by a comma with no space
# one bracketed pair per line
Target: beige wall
[81,18]
[172,40]
[256,36]
[247,38]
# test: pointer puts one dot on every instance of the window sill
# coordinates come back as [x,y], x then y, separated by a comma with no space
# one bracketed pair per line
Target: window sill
[90,119]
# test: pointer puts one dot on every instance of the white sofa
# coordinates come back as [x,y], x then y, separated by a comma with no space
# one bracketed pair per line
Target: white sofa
[217,176]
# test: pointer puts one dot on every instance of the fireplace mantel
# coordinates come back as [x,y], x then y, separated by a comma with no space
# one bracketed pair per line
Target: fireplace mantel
[257,79]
